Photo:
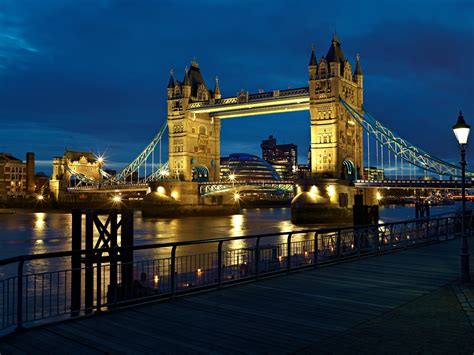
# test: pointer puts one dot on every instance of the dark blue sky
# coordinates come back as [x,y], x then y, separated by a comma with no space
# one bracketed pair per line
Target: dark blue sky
[92,74]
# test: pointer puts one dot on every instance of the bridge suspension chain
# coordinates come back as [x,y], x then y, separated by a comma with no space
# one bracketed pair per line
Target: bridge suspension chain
[141,161]
[83,179]
[401,148]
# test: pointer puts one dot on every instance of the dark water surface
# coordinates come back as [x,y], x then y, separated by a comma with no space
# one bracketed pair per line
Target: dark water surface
[33,233]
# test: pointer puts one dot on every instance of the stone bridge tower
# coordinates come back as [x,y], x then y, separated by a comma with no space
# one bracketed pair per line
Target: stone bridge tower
[336,139]
[194,139]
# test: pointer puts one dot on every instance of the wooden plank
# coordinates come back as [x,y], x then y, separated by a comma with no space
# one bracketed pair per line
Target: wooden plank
[279,314]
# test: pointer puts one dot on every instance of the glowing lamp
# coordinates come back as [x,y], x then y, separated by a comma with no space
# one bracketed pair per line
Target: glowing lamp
[461,130]
[40,197]
[161,190]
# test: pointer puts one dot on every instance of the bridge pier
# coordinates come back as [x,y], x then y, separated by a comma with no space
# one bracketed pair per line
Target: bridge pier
[181,198]
[326,201]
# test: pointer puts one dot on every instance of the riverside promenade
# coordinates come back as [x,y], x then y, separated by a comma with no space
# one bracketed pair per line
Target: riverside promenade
[406,301]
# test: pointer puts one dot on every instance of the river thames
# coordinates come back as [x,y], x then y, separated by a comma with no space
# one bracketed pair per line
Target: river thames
[33,233]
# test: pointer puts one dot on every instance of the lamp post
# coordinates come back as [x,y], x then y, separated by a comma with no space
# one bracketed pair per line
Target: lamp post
[461,131]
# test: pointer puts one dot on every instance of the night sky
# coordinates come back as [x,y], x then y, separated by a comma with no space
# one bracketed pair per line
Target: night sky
[92,74]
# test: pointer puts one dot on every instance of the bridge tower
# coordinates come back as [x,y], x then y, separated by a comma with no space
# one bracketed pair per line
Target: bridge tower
[194,138]
[336,139]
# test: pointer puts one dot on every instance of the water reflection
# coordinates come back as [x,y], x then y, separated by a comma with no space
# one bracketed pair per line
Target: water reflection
[47,232]
[39,228]
[236,225]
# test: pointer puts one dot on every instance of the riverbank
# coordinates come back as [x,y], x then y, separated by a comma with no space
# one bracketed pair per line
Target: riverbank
[13,210]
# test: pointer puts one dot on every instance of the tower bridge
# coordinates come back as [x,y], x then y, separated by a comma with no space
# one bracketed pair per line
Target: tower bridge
[194,114]
[344,137]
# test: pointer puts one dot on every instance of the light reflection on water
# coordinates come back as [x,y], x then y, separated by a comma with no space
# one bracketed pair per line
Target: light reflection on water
[33,233]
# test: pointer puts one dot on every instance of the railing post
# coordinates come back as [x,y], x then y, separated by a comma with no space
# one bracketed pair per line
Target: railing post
[173,270]
[405,235]
[446,223]
[257,258]
[376,242]
[19,309]
[113,251]
[219,263]
[315,251]
[338,245]
[99,283]
[427,228]
[288,256]
[76,279]
[437,229]
[357,238]
[88,270]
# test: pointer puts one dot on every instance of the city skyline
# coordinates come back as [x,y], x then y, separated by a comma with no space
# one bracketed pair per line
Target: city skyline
[94,77]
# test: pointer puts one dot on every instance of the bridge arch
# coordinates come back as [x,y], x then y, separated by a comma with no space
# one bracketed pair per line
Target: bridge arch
[348,170]
[200,173]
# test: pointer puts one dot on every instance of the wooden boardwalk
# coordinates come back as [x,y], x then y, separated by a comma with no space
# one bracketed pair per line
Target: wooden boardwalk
[282,314]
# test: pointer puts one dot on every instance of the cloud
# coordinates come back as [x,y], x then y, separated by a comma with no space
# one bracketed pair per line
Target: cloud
[94,76]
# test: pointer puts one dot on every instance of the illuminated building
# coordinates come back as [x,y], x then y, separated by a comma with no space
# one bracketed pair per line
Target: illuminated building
[242,166]
[224,168]
[16,176]
[73,165]
[373,173]
[40,180]
[336,140]
[280,154]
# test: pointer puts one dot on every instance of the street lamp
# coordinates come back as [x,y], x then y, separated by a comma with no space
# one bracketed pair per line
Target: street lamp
[461,131]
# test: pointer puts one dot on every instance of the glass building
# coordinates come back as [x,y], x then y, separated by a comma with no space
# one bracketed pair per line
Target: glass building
[278,154]
[247,167]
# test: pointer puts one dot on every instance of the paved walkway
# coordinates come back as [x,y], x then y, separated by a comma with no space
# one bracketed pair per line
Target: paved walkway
[405,302]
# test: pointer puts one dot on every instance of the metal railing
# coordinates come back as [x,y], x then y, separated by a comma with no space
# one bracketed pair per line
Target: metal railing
[29,298]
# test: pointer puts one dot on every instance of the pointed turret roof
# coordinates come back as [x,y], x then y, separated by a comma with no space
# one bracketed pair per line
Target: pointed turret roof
[217,90]
[171,82]
[186,77]
[195,77]
[312,60]
[358,69]
[335,53]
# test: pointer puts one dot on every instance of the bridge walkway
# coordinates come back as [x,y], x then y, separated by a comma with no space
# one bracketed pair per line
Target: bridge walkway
[325,309]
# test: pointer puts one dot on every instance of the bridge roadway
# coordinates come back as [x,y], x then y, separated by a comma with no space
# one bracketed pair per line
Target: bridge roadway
[218,186]
[389,303]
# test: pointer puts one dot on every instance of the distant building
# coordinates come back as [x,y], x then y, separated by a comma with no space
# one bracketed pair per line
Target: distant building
[73,165]
[281,169]
[304,171]
[41,179]
[373,173]
[286,154]
[242,166]
[16,177]
[224,175]
[73,169]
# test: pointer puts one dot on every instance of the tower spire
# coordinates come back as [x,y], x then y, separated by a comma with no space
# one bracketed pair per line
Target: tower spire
[171,82]
[358,69]
[312,60]
[186,80]
[217,90]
